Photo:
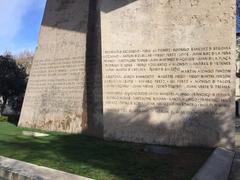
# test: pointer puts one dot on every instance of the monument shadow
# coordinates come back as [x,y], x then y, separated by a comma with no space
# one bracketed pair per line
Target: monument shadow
[198,129]
[120,160]
[49,20]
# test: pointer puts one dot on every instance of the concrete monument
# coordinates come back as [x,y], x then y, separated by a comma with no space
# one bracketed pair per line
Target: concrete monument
[56,95]
[169,71]
[153,71]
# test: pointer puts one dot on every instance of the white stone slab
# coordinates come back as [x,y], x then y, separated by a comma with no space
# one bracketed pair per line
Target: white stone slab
[34,134]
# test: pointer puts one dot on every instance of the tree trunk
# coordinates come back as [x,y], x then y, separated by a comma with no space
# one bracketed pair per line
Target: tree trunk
[3,105]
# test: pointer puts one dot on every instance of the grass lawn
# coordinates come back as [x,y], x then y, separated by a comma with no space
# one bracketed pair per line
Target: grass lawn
[99,159]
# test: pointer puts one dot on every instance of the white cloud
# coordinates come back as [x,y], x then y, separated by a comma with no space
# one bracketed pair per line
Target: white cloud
[11,13]
[11,18]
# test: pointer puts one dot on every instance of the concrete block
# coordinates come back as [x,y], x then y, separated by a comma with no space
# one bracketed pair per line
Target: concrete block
[217,167]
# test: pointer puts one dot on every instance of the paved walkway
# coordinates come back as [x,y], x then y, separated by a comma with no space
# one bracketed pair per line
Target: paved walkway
[235,170]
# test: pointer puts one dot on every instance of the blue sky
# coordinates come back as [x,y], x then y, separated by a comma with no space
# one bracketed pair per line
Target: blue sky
[20,22]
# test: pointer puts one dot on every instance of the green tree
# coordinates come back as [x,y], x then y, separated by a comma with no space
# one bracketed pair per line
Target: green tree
[13,80]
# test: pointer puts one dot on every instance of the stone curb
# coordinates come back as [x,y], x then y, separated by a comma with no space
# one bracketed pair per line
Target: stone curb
[217,167]
[11,169]
[235,170]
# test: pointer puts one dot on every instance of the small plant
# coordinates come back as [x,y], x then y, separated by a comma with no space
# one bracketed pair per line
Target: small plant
[3,118]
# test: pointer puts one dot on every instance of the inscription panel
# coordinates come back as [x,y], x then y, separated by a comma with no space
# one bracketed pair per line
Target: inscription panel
[55,96]
[196,71]
[168,72]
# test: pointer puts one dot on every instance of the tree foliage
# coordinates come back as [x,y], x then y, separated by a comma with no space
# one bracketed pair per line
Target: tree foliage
[13,80]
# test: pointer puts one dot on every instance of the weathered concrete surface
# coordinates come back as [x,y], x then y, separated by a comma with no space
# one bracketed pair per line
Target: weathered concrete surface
[11,169]
[168,71]
[217,167]
[56,93]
